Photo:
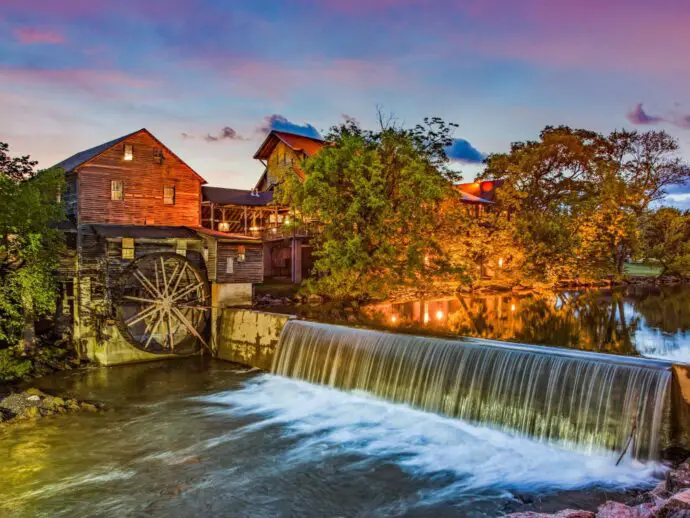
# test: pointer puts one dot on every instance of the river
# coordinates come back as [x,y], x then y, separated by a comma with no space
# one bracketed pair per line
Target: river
[200,438]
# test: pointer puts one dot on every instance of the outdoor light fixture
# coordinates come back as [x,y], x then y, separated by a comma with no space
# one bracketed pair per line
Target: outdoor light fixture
[500,262]
[512,307]
[394,319]
[439,315]
[224,226]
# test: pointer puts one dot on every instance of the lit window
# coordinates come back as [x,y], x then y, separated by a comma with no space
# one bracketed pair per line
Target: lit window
[127,248]
[117,190]
[169,195]
[129,152]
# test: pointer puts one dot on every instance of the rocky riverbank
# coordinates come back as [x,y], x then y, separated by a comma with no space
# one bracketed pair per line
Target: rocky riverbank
[33,404]
[669,499]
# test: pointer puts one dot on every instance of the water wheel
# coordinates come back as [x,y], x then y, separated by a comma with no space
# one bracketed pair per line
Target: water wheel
[162,304]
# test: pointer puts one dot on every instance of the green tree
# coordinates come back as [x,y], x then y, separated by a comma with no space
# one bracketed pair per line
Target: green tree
[380,199]
[29,243]
[545,181]
[667,240]
[579,198]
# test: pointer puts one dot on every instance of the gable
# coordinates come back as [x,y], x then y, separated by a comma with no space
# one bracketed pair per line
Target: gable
[297,143]
[113,147]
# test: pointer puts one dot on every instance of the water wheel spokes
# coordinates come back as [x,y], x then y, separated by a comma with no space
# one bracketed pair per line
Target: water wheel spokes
[163,303]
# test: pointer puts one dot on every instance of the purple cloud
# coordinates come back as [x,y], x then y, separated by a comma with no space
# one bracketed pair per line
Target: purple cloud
[227,133]
[33,36]
[277,122]
[640,117]
[462,151]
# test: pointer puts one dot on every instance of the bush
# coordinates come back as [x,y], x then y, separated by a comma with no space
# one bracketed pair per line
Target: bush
[13,367]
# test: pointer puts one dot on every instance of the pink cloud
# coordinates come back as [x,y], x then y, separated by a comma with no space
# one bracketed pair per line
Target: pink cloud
[639,116]
[96,81]
[279,80]
[629,36]
[32,35]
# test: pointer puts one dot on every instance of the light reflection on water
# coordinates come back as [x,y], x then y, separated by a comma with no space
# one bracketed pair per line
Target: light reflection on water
[190,438]
[653,322]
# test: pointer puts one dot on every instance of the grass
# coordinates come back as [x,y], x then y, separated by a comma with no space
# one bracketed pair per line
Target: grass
[642,270]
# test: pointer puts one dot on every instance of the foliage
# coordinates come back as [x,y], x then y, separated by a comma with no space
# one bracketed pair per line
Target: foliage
[579,198]
[380,198]
[12,366]
[29,243]
[667,240]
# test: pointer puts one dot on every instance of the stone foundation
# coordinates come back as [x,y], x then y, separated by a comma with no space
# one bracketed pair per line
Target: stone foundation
[249,337]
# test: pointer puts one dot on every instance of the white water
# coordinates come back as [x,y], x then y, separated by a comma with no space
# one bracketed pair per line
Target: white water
[326,422]
[590,401]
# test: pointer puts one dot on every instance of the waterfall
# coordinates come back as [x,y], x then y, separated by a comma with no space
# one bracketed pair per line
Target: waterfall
[583,400]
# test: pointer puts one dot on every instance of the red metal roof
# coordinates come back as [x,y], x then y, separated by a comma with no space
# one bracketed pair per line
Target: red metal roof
[299,143]
[308,145]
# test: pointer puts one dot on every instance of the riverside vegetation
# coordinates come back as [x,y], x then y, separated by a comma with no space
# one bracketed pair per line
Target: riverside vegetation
[574,204]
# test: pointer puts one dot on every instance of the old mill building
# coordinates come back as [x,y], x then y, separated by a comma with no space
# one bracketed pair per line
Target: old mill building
[153,253]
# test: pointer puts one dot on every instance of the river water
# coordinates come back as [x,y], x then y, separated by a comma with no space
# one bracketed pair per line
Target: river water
[635,321]
[199,438]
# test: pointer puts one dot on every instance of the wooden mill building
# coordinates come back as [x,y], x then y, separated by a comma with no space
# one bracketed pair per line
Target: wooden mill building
[142,276]
[287,253]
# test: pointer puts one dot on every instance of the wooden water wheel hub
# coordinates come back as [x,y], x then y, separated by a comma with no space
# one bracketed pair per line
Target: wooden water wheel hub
[162,303]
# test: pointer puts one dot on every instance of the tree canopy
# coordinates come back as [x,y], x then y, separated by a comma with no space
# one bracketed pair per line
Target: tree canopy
[380,198]
[29,242]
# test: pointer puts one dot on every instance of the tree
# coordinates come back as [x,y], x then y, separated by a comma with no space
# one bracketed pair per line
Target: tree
[29,243]
[379,197]
[545,181]
[667,240]
[579,198]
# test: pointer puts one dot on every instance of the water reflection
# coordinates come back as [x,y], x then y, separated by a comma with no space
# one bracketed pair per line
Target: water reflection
[645,321]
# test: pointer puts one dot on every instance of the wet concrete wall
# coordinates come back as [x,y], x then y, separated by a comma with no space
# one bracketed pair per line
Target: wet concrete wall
[249,337]
[680,407]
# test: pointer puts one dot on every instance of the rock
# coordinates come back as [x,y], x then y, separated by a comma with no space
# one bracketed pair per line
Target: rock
[89,407]
[677,479]
[34,398]
[648,510]
[677,506]
[31,412]
[616,510]
[660,492]
[567,513]
[34,392]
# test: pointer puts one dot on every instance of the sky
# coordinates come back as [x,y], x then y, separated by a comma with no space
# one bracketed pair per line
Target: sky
[209,77]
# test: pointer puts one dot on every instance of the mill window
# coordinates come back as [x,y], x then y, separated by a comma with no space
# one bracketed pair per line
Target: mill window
[116,190]
[129,152]
[169,195]
[127,248]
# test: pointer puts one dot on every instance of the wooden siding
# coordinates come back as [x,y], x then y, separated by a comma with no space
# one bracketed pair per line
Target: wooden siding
[281,158]
[144,178]
[251,270]
[69,197]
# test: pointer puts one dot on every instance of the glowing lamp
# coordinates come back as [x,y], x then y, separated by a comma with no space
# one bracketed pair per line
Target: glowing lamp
[439,315]
[500,262]
[512,307]
[224,226]
[394,319]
